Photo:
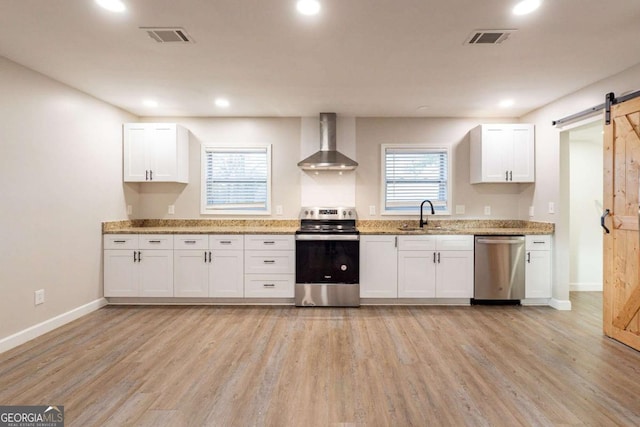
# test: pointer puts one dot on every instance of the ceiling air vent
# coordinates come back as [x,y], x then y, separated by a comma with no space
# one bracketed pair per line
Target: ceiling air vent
[488,36]
[168,35]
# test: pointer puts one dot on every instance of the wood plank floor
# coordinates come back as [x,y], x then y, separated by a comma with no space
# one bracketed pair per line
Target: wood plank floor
[372,366]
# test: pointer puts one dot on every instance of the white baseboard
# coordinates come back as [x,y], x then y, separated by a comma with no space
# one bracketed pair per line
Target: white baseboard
[559,304]
[48,325]
[585,287]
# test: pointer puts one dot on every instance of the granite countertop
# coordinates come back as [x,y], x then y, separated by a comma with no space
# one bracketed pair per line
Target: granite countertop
[396,227]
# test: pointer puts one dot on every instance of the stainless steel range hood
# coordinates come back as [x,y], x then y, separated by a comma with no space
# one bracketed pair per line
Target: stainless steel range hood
[328,158]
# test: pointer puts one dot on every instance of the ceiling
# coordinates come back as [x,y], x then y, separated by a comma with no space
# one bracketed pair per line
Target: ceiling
[357,57]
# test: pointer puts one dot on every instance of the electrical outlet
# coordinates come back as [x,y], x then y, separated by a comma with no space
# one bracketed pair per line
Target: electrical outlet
[172,209]
[278,209]
[39,297]
[129,209]
[531,211]
[487,210]
[459,209]
[552,208]
[372,210]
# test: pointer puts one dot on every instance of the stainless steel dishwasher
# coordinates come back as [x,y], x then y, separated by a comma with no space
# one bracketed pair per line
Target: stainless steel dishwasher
[499,268]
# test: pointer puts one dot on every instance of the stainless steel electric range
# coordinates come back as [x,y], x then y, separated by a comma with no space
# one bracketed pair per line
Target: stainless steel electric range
[327,258]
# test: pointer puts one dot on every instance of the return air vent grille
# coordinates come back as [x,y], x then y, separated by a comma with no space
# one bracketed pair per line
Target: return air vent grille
[488,36]
[168,35]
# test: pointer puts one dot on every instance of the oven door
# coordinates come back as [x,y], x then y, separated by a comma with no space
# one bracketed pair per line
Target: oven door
[327,258]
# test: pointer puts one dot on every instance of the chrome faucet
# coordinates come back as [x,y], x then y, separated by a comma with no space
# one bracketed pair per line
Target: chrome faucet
[423,222]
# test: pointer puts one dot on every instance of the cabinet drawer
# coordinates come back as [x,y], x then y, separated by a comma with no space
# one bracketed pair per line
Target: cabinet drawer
[276,262]
[269,286]
[273,242]
[226,241]
[454,243]
[156,241]
[120,241]
[538,243]
[191,241]
[416,243]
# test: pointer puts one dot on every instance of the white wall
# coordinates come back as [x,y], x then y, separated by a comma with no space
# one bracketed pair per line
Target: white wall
[552,181]
[586,190]
[60,177]
[282,133]
[371,133]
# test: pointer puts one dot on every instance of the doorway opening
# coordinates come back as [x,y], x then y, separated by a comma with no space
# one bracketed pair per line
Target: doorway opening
[585,163]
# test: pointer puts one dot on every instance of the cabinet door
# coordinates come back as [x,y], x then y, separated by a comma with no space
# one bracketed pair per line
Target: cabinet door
[522,160]
[454,274]
[120,273]
[135,152]
[378,267]
[416,274]
[497,147]
[156,273]
[226,274]
[162,146]
[538,274]
[190,273]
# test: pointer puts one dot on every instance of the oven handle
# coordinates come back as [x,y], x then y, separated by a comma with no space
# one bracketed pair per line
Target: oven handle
[317,236]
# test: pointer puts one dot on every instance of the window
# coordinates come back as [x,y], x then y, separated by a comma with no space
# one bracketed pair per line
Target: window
[411,174]
[236,180]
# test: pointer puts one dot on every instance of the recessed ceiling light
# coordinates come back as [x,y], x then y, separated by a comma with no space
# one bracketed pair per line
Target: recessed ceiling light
[308,7]
[150,103]
[112,5]
[526,6]
[222,102]
[506,103]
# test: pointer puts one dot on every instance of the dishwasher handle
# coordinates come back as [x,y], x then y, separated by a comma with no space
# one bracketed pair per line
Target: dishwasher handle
[499,241]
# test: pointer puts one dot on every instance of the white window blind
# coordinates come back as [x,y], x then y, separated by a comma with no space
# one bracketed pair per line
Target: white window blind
[236,180]
[414,174]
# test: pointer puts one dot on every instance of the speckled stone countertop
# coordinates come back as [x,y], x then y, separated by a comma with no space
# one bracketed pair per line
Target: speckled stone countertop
[456,226]
[201,226]
[265,226]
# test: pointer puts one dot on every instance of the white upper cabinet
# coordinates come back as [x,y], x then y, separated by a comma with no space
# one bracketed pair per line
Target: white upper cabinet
[502,153]
[156,152]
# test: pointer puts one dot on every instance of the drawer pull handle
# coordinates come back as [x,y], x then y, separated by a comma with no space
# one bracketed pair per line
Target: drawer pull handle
[139,256]
[269,242]
[155,241]
[269,285]
[134,256]
[269,261]
[538,243]
[119,241]
[189,242]
[225,242]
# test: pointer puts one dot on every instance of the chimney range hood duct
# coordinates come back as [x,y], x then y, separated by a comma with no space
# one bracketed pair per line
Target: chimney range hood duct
[328,158]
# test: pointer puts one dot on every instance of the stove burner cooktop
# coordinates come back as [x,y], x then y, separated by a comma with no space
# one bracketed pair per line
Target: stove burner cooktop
[327,220]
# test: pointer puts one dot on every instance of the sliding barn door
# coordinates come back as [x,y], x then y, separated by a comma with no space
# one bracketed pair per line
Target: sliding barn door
[622,246]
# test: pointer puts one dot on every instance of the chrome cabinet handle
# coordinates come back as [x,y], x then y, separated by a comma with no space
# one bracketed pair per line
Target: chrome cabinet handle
[606,213]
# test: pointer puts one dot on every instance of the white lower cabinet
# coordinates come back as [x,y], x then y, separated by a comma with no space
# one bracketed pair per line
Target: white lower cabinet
[269,266]
[138,266]
[378,266]
[435,266]
[538,267]
[211,267]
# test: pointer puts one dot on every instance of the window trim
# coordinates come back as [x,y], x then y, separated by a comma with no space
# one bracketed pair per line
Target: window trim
[416,211]
[204,210]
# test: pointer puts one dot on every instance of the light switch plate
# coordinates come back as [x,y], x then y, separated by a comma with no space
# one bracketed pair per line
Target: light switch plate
[172,209]
[531,211]
[129,209]
[552,208]
[459,209]
[487,210]
[39,297]
[372,210]
[278,209]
